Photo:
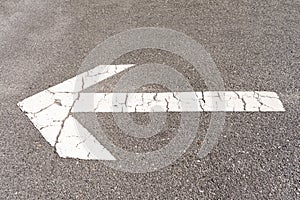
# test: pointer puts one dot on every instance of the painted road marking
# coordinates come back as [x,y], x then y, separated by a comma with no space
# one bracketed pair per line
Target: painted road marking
[50,113]
[207,101]
[51,110]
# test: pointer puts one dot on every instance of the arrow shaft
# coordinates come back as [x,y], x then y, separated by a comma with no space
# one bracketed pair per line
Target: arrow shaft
[208,101]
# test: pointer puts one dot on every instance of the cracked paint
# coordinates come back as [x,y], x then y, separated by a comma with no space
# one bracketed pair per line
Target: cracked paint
[51,110]
[227,101]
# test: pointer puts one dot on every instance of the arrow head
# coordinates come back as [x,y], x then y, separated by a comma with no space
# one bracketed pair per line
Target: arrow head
[50,113]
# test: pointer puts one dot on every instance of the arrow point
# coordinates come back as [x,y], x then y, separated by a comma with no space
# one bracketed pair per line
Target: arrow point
[50,113]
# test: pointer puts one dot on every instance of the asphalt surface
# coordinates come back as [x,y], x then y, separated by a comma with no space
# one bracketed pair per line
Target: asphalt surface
[255,45]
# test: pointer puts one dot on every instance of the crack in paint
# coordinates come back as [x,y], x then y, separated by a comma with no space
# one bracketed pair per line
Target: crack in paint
[199,100]
[63,123]
[180,102]
[68,115]
[167,106]
[242,99]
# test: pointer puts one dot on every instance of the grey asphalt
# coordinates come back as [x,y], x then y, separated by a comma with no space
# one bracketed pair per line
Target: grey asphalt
[255,45]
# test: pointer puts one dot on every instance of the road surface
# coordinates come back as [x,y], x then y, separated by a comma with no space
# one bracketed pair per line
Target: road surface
[255,46]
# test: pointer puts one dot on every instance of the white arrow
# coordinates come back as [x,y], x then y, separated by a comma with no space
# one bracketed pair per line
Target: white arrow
[51,110]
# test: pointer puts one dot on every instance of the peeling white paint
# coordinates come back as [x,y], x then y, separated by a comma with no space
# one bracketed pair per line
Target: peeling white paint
[50,113]
[89,78]
[215,101]
[51,110]
[75,141]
